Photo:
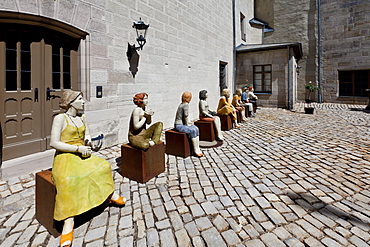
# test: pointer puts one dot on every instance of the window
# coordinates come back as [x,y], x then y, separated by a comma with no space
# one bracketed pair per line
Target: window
[262,78]
[61,65]
[18,60]
[222,75]
[242,27]
[354,83]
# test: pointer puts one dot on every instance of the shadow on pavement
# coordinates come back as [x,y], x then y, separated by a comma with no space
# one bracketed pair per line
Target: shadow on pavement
[312,203]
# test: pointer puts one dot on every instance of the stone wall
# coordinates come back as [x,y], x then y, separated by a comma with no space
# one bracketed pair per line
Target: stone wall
[345,44]
[293,21]
[253,34]
[344,37]
[186,41]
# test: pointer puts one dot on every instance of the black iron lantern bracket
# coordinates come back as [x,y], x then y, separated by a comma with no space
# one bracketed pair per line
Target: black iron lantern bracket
[132,54]
[141,29]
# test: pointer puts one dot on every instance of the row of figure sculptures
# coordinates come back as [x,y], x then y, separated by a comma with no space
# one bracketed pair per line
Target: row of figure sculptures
[84,181]
[239,102]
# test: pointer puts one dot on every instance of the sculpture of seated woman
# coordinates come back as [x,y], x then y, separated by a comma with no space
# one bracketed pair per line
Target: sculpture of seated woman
[206,114]
[226,108]
[252,97]
[238,104]
[182,123]
[83,181]
[247,103]
[138,136]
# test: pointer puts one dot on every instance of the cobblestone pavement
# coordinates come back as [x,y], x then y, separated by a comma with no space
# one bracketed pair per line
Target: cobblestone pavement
[284,179]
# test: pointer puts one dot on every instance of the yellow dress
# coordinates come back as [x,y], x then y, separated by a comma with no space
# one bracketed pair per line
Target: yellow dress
[81,183]
[236,100]
[225,108]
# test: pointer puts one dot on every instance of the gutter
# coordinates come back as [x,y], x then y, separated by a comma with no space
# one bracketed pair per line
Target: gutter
[234,48]
[319,92]
[289,100]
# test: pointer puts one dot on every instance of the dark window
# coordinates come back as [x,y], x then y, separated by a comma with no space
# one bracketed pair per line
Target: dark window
[26,66]
[56,67]
[222,75]
[66,68]
[262,78]
[11,65]
[242,27]
[354,83]
[18,59]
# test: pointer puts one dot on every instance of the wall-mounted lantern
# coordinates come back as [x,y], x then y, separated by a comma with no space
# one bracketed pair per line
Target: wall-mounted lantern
[298,69]
[132,55]
[141,29]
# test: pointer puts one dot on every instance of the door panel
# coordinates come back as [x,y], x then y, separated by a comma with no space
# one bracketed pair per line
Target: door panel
[19,114]
[61,72]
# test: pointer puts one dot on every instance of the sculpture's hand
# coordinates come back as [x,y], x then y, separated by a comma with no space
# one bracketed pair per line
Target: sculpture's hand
[85,150]
[149,112]
[88,143]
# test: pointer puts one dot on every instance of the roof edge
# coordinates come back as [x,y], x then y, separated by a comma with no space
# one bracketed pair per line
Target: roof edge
[261,47]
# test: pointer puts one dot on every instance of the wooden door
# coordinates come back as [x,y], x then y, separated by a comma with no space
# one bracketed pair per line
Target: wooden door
[35,68]
[20,111]
[61,73]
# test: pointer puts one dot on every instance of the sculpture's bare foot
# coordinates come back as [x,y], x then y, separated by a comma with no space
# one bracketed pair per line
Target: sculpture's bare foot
[199,155]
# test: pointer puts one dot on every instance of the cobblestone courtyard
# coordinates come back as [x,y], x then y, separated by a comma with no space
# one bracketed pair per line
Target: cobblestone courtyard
[283,179]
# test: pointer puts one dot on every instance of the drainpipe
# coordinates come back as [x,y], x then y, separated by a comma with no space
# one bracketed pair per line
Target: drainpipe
[319,92]
[1,148]
[289,100]
[234,47]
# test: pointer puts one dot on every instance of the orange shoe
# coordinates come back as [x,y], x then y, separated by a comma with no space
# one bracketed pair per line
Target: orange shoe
[120,201]
[199,155]
[66,237]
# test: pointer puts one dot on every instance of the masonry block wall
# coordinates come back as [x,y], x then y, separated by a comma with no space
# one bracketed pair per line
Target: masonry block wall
[293,21]
[345,44]
[253,35]
[186,41]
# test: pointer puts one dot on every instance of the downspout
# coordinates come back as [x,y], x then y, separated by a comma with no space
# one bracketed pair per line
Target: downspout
[319,92]
[289,100]
[1,148]
[234,47]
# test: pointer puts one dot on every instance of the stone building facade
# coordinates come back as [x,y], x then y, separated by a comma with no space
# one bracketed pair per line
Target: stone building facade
[272,70]
[345,32]
[188,43]
[191,46]
[293,21]
[340,61]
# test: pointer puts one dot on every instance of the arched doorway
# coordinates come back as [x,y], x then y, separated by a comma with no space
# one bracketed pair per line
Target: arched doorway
[38,60]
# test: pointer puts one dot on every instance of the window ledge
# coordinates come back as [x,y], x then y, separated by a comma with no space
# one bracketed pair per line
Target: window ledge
[263,93]
[353,96]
